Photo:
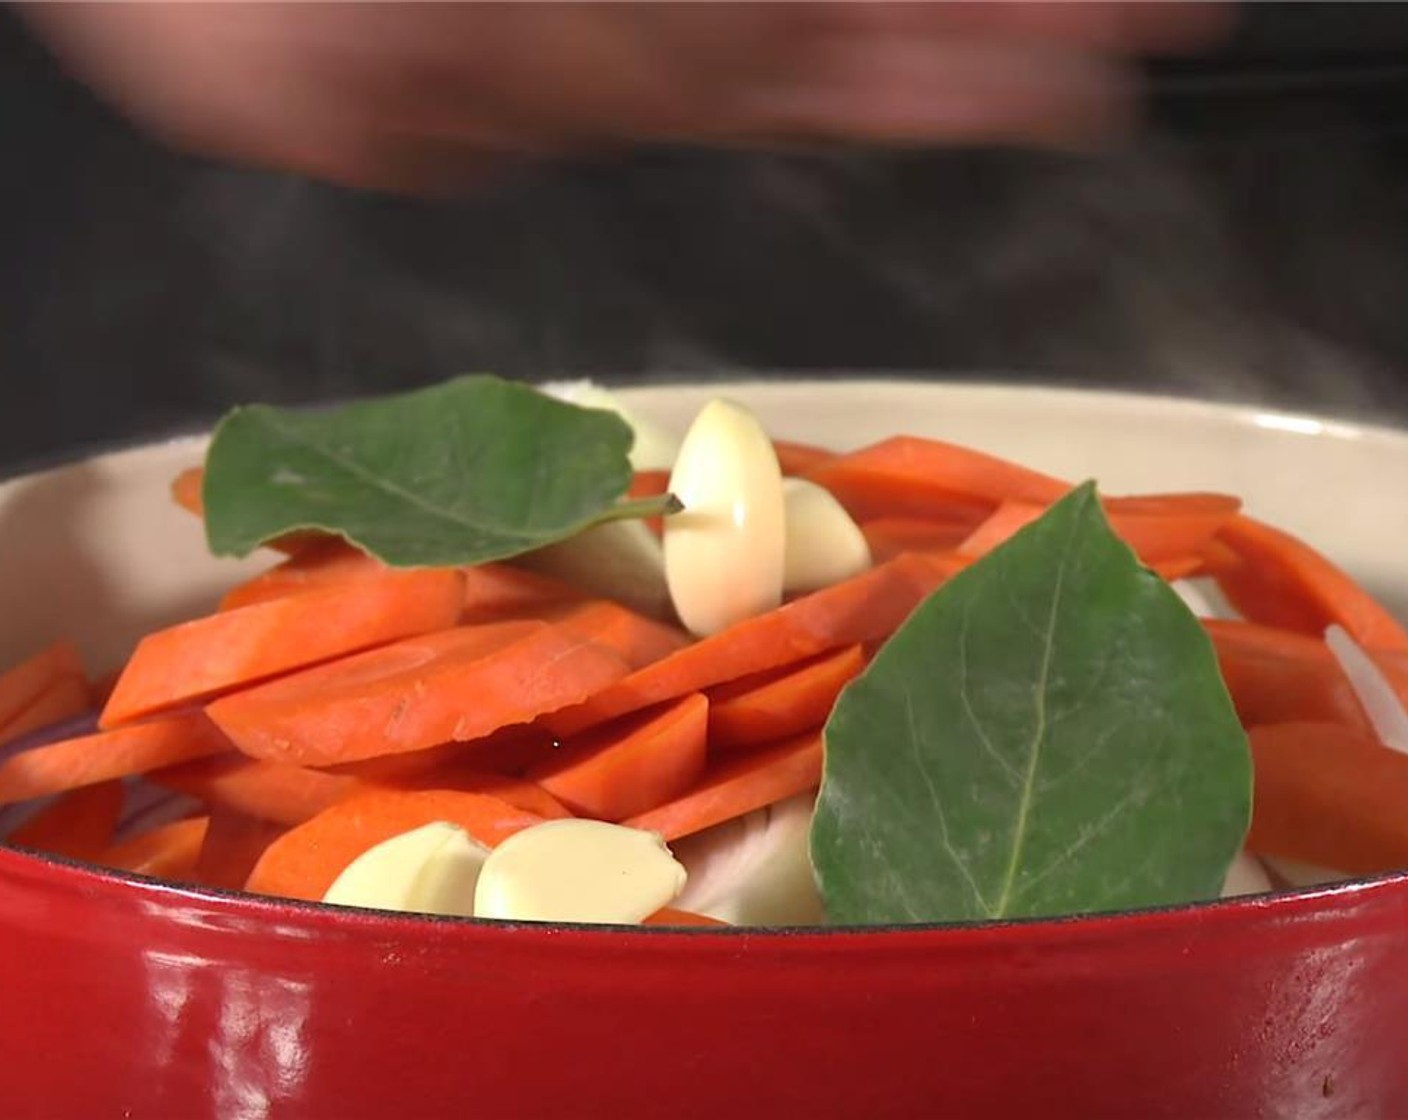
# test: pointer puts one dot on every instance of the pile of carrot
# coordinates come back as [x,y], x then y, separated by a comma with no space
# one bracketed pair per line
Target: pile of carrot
[329,702]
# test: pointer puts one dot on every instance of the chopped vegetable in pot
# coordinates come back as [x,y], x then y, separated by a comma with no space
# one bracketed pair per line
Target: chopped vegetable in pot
[514,666]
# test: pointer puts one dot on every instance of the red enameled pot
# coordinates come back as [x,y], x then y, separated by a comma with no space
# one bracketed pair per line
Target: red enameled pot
[131,998]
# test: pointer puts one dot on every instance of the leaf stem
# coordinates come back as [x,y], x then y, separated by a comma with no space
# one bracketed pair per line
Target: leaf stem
[657,505]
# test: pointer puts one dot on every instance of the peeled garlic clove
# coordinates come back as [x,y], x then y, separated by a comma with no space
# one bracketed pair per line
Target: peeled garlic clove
[577,870]
[430,870]
[754,870]
[654,448]
[724,552]
[620,560]
[824,545]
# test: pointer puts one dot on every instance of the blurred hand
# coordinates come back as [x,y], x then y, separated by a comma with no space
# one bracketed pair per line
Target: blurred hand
[413,95]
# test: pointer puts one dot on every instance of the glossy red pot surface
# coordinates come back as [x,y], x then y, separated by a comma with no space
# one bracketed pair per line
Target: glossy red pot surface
[137,1000]
[132,999]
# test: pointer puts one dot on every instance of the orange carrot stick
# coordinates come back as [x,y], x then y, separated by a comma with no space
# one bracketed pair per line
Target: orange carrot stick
[1329,796]
[1180,567]
[78,824]
[100,757]
[169,851]
[187,492]
[799,458]
[228,649]
[510,750]
[669,916]
[66,698]
[868,606]
[1158,527]
[1277,676]
[458,684]
[747,782]
[331,562]
[890,536]
[233,844]
[635,639]
[493,591]
[22,684]
[521,793]
[630,765]
[1286,583]
[905,476]
[252,787]
[304,862]
[771,706]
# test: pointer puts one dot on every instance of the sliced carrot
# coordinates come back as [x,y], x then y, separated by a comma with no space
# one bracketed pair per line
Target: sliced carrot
[905,476]
[187,490]
[510,751]
[744,783]
[770,706]
[521,793]
[1277,676]
[21,684]
[331,562]
[890,536]
[498,590]
[78,824]
[635,639]
[630,765]
[271,791]
[669,916]
[169,851]
[799,458]
[1163,527]
[1009,519]
[1180,567]
[226,650]
[1284,582]
[232,845]
[1329,796]
[65,698]
[868,606]
[1158,527]
[304,862]
[71,763]
[458,684]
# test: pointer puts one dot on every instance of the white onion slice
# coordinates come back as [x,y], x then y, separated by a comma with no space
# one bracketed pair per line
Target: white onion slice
[754,870]
[1380,702]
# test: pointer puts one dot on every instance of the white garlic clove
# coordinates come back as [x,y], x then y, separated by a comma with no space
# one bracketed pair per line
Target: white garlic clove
[724,553]
[433,869]
[577,870]
[824,545]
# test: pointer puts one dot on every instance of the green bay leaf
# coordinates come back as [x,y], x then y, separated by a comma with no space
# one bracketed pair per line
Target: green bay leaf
[1047,734]
[470,470]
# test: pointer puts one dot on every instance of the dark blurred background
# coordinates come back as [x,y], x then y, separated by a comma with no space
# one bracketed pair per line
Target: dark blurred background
[1251,244]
